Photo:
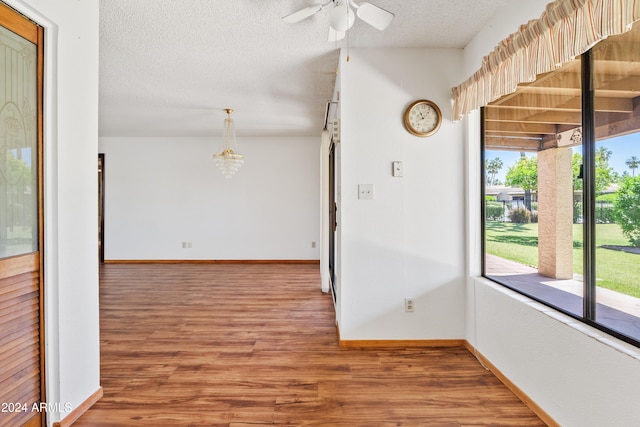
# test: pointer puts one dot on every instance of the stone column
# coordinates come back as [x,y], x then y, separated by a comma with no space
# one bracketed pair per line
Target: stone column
[555,213]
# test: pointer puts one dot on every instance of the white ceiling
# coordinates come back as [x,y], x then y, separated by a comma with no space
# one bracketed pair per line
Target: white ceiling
[170,67]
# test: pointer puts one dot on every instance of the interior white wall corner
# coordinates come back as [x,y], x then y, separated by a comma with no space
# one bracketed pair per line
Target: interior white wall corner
[473,204]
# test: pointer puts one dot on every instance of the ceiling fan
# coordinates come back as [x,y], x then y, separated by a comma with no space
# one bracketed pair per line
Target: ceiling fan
[342,16]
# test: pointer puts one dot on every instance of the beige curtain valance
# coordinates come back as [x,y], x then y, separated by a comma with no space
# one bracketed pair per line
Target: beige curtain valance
[566,29]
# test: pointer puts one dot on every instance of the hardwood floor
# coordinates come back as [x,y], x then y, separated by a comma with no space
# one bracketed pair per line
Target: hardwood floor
[246,345]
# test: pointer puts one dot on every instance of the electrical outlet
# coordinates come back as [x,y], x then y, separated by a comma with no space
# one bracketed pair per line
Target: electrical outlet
[313,244]
[365,191]
[409,305]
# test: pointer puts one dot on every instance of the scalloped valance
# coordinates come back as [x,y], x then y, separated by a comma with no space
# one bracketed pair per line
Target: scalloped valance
[566,29]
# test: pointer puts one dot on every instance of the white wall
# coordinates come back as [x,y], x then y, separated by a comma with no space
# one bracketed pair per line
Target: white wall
[506,22]
[577,374]
[71,141]
[409,240]
[160,192]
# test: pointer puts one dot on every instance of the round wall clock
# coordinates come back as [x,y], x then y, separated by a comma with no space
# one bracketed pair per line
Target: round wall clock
[422,118]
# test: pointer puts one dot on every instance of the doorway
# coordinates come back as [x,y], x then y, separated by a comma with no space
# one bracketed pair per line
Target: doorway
[333,220]
[101,207]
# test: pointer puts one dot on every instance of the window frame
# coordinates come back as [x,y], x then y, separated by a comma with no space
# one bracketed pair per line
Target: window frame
[589,208]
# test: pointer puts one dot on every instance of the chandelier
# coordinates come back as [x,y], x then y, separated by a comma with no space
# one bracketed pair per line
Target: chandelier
[228,160]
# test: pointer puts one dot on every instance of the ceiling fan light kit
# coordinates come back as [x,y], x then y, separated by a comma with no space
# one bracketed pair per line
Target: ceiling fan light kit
[342,16]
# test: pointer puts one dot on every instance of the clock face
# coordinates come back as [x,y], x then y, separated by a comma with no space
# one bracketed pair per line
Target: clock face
[422,118]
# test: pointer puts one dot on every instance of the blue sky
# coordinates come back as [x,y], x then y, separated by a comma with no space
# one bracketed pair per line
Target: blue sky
[621,147]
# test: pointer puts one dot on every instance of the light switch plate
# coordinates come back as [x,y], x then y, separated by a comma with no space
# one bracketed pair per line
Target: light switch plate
[396,169]
[365,191]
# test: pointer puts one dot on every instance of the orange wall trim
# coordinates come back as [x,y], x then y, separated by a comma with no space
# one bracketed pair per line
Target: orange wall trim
[212,261]
[546,418]
[73,416]
[400,343]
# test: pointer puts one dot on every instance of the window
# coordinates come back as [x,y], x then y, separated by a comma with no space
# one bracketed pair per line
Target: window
[561,167]
[18,146]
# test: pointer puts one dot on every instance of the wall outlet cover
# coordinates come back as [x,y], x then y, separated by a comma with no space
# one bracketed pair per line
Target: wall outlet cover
[365,191]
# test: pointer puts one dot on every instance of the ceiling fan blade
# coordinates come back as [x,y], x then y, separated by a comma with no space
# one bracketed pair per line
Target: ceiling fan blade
[334,35]
[303,13]
[374,15]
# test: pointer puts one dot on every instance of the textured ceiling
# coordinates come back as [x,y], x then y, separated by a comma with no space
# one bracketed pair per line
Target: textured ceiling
[170,67]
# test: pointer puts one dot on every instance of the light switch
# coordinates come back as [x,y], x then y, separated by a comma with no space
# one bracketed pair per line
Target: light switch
[365,191]
[396,169]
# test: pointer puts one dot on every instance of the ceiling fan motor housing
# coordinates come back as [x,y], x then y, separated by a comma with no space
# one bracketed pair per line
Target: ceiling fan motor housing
[341,17]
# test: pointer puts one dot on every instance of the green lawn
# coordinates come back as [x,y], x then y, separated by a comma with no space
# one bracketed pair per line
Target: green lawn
[615,270]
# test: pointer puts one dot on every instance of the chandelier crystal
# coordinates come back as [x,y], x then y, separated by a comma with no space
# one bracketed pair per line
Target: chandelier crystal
[228,160]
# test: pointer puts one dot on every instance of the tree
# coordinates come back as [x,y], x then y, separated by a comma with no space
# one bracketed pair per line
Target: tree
[17,171]
[605,175]
[493,166]
[633,162]
[603,153]
[627,208]
[524,174]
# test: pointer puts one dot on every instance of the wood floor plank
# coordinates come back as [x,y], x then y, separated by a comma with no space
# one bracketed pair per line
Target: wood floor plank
[238,345]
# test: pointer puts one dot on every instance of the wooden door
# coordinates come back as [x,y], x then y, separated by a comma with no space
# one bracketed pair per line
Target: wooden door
[21,284]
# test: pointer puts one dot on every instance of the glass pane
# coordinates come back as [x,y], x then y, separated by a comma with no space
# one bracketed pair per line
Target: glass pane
[533,145]
[616,78]
[18,146]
